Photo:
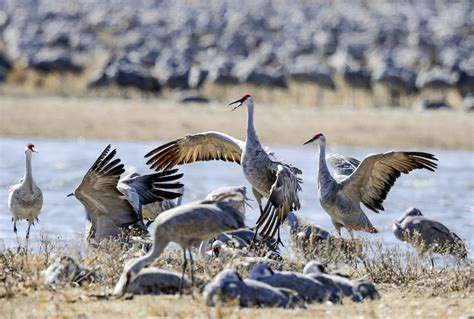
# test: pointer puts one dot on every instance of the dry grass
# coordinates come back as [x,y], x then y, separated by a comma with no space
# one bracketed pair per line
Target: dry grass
[159,119]
[409,287]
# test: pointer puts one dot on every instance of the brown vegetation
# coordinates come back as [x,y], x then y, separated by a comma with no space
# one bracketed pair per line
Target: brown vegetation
[408,285]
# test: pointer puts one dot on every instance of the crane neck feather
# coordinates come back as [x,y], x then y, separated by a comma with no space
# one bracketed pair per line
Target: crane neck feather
[148,258]
[28,178]
[252,138]
[324,176]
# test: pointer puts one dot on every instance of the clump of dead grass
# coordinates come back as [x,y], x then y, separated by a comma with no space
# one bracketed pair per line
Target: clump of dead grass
[397,266]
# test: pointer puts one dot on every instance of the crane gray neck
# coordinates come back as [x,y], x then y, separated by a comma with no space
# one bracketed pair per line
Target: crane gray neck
[324,177]
[28,179]
[252,138]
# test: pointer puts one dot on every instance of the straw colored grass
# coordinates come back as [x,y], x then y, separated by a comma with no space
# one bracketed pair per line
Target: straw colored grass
[409,287]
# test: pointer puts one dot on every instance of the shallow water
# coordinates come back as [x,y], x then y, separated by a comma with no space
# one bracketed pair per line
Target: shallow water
[446,195]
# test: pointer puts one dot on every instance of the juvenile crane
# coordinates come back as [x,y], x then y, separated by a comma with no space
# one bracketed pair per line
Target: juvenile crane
[186,225]
[367,182]
[269,177]
[25,199]
[108,210]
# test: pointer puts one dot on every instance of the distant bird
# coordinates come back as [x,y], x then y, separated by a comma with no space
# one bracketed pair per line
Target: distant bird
[186,225]
[366,182]
[110,211]
[25,199]
[356,290]
[307,288]
[427,235]
[268,176]
[229,286]
[154,281]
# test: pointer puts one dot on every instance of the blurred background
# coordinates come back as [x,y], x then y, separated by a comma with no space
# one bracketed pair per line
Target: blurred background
[351,53]
[372,75]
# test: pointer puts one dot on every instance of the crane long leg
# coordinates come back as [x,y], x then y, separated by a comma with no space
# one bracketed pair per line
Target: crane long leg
[14,227]
[278,241]
[185,262]
[28,231]
[192,266]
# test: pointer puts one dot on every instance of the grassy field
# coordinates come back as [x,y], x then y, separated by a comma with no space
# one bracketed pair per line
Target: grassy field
[161,119]
[408,286]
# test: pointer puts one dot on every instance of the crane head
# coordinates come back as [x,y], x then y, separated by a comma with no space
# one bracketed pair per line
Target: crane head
[30,147]
[316,137]
[241,101]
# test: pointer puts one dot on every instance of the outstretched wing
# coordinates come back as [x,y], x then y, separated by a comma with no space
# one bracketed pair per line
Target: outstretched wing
[342,165]
[156,187]
[99,195]
[376,174]
[283,199]
[204,146]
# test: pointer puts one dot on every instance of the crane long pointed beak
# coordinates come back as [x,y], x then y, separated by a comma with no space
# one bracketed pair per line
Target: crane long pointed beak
[69,195]
[309,141]
[238,105]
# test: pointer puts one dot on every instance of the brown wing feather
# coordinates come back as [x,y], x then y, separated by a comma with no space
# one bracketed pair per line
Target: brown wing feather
[376,174]
[99,194]
[204,146]
[283,199]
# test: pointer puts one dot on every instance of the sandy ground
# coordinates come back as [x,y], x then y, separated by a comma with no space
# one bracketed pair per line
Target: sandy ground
[73,304]
[159,119]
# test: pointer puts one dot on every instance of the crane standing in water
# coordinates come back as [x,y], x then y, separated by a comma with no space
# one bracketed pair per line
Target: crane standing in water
[366,182]
[25,199]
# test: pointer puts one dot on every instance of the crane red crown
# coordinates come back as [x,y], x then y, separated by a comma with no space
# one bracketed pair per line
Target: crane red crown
[317,135]
[30,146]
[245,96]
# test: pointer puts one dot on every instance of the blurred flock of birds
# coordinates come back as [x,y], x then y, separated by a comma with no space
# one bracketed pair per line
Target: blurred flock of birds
[408,47]
[118,208]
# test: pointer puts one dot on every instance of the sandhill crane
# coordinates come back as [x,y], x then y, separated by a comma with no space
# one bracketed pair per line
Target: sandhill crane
[357,290]
[368,182]
[303,230]
[25,199]
[307,288]
[186,225]
[65,270]
[221,251]
[228,285]
[153,280]
[427,235]
[108,210]
[268,176]
[235,196]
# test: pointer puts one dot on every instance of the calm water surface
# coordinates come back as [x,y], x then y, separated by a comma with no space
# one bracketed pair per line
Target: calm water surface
[446,195]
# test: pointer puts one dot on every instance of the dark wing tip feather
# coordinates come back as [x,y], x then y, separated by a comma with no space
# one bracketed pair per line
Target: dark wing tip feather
[159,148]
[101,157]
